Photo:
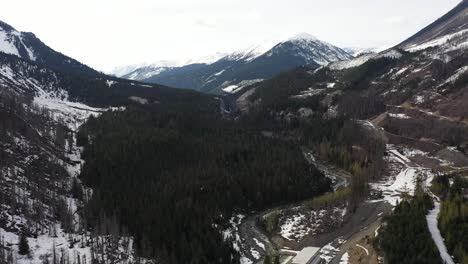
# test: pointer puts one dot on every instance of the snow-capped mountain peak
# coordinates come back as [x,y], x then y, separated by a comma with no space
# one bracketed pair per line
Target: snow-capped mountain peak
[310,49]
[256,50]
[303,36]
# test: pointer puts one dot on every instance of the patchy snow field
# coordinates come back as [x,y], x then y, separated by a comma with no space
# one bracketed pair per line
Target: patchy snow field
[296,226]
[72,114]
[393,187]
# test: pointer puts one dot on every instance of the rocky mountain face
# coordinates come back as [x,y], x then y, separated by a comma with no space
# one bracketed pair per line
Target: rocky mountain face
[234,71]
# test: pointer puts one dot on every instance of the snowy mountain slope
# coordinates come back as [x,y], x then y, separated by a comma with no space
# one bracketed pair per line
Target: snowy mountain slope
[447,35]
[145,72]
[13,42]
[254,63]
[311,49]
[449,29]
[356,52]
[132,71]
[42,198]
[27,46]
[361,59]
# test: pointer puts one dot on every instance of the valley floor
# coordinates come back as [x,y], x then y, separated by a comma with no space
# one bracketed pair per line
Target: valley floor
[352,241]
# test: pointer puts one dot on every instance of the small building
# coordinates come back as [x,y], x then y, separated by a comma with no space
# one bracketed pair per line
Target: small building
[308,255]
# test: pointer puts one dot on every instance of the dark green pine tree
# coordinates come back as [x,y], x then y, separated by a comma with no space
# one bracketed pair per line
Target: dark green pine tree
[23,245]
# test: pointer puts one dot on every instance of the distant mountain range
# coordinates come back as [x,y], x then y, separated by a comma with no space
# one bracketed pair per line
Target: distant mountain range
[233,71]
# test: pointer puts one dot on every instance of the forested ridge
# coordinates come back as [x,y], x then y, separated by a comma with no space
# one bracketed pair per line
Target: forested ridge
[95,90]
[174,174]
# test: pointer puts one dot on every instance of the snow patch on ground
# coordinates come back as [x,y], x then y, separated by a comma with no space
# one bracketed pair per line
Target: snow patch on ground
[399,116]
[231,88]
[296,226]
[329,251]
[72,114]
[43,246]
[345,258]
[259,244]
[236,88]
[457,75]
[431,219]
[393,187]
[110,83]
[139,100]
[308,93]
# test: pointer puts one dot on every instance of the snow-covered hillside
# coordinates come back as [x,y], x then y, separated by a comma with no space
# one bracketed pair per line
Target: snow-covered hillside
[13,42]
[38,174]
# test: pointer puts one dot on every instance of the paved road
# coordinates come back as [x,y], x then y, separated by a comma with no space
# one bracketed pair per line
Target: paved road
[367,215]
[355,238]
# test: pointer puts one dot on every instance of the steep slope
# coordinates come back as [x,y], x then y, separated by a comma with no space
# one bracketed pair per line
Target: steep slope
[32,79]
[41,197]
[27,46]
[452,28]
[250,65]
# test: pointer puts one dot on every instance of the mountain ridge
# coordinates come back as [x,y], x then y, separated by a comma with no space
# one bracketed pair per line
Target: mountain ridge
[256,62]
[454,21]
[27,45]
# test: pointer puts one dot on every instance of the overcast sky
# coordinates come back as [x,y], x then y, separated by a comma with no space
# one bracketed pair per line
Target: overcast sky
[109,33]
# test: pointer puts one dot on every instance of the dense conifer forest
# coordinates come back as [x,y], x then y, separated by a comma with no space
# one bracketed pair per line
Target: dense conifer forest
[180,171]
